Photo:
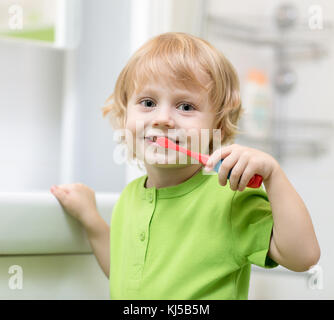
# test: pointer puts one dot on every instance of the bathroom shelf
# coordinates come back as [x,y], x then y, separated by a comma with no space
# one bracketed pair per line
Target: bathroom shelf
[260,30]
[301,138]
[288,146]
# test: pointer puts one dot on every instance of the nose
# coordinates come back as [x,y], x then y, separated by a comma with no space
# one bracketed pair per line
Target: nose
[163,117]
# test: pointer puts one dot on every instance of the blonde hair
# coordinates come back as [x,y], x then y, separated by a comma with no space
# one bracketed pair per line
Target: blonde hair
[180,54]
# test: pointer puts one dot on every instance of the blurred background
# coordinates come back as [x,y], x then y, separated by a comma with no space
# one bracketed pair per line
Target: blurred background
[59,61]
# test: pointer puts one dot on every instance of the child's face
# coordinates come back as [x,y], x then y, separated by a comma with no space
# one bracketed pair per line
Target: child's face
[162,108]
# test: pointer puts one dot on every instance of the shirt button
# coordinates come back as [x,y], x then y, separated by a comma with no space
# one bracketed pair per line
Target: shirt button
[142,236]
[150,197]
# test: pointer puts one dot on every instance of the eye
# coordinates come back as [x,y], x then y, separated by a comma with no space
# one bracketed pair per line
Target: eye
[187,106]
[147,103]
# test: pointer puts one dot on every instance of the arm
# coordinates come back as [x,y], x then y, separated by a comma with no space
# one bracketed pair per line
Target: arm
[293,244]
[98,234]
[78,200]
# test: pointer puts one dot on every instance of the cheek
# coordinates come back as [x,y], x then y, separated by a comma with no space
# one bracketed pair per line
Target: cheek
[134,118]
[134,125]
[134,133]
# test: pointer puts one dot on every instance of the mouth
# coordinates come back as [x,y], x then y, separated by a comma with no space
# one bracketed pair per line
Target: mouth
[153,139]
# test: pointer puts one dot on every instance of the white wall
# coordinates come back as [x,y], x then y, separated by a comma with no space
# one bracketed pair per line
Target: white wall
[30,113]
[34,86]
[102,54]
[35,82]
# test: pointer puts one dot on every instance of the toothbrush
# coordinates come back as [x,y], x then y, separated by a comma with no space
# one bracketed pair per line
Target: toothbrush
[255,182]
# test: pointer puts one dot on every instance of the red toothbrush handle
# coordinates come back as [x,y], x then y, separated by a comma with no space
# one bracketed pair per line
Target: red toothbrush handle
[201,157]
[255,182]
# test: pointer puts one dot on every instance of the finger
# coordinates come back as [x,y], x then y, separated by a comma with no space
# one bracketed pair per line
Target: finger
[59,193]
[65,187]
[225,168]
[246,177]
[53,189]
[219,154]
[238,172]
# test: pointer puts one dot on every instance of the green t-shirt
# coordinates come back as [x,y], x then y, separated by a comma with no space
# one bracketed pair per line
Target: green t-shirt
[196,240]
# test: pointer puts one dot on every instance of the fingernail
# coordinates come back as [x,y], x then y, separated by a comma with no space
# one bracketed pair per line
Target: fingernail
[207,169]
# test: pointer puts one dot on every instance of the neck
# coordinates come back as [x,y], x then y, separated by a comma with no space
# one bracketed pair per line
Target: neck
[160,177]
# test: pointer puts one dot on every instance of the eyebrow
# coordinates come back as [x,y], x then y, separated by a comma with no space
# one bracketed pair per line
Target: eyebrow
[177,93]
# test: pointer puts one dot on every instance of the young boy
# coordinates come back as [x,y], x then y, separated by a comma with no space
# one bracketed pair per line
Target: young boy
[177,232]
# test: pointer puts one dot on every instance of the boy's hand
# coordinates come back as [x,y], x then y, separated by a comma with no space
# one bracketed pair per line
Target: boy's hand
[78,200]
[246,162]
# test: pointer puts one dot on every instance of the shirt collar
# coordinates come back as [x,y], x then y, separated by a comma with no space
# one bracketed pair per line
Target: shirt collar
[177,190]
